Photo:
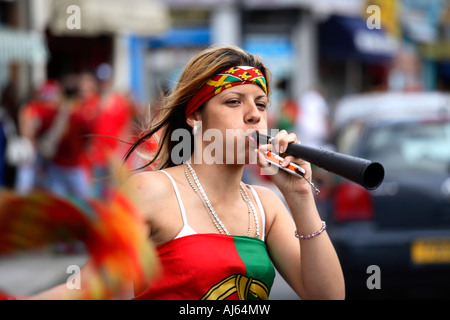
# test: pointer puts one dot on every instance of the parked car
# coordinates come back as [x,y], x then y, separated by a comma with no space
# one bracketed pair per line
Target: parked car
[394,241]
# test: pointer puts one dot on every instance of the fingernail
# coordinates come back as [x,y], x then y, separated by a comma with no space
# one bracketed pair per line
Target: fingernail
[281,149]
[264,148]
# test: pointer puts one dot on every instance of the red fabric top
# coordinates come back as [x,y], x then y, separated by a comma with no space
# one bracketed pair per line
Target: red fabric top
[212,266]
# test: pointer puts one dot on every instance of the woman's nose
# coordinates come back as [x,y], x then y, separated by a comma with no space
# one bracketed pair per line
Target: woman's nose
[252,114]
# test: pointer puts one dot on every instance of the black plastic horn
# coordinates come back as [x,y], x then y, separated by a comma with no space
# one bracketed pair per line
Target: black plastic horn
[361,171]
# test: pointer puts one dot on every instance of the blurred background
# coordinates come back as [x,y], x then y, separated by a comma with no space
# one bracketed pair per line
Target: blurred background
[364,77]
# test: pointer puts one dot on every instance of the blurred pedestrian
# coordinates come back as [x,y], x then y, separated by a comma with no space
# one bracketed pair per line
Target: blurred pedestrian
[15,150]
[289,109]
[88,96]
[113,121]
[313,127]
[313,123]
[63,141]
[8,107]
[45,100]
[289,114]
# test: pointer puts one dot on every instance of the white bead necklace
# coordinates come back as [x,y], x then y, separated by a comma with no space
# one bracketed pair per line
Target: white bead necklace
[251,209]
[215,218]
[203,201]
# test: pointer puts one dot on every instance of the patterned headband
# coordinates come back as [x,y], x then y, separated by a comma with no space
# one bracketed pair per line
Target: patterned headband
[224,80]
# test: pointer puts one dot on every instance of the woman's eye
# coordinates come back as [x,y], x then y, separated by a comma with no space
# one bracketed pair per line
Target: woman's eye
[233,102]
[262,105]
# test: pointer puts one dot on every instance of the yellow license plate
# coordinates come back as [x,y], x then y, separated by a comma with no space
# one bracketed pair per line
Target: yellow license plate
[430,251]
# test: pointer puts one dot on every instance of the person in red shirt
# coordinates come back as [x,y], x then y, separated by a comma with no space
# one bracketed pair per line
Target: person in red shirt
[64,140]
[113,121]
[33,116]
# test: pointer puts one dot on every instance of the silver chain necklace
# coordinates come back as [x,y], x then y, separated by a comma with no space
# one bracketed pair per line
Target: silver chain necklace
[215,218]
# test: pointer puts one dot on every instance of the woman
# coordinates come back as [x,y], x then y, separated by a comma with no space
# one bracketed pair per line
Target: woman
[192,209]
[216,237]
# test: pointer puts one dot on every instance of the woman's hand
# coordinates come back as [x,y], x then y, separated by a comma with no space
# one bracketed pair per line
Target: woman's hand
[286,182]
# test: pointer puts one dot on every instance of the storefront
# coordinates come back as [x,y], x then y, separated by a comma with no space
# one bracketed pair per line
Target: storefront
[353,57]
[109,31]
[283,32]
[269,32]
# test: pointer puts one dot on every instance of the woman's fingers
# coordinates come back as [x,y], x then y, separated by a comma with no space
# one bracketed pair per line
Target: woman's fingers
[282,140]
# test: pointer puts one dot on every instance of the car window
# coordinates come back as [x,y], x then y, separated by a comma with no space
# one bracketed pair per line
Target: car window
[415,146]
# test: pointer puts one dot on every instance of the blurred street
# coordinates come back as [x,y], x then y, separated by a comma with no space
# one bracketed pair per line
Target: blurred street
[25,275]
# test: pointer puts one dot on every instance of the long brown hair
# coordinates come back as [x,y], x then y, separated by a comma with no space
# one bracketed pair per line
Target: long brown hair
[196,73]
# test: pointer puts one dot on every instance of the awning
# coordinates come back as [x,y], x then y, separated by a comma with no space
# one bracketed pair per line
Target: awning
[186,37]
[22,46]
[141,17]
[342,38]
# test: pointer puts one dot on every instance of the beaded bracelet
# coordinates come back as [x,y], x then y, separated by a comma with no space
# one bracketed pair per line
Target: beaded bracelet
[312,235]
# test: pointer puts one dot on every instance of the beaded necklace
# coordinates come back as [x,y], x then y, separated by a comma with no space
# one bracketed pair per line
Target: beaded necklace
[215,218]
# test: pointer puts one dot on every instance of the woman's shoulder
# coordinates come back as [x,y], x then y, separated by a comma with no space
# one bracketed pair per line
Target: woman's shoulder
[153,194]
[144,178]
[147,186]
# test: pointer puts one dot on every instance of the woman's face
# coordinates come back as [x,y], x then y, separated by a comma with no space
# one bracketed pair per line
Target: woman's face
[235,113]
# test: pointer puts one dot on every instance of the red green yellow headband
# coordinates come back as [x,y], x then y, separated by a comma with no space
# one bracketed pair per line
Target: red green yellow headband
[224,80]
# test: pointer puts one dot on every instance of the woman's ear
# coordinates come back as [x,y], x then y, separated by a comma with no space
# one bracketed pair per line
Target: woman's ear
[193,120]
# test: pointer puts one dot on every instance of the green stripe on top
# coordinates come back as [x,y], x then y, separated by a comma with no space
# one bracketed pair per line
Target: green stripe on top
[259,268]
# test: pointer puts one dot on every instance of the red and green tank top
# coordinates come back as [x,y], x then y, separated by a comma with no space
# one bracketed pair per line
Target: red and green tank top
[212,266]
